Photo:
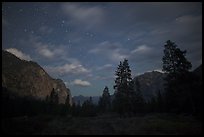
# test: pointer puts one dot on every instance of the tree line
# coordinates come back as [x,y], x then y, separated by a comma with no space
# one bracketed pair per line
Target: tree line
[183,93]
[183,89]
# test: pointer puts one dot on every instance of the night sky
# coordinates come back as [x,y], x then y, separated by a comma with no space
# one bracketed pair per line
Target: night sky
[82,43]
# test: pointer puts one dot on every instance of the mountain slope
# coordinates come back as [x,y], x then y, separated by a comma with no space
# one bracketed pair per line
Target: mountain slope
[27,78]
[151,83]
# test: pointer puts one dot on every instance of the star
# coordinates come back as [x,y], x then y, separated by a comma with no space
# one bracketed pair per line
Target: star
[91,35]
[67,30]
[25,30]
[62,23]
[20,10]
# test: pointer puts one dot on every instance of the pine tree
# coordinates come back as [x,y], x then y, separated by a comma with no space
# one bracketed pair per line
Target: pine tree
[105,101]
[174,60]
[118,80]
[177,68]
[124,95]
[88,108]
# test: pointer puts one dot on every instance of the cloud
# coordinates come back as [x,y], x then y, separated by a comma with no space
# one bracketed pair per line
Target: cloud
[189,19]
[72,68]
[50,53]
[19,54]
[112,51]
[141,49]
[44,51]
[116,51]
[117,55]
[79,13]
[82,83]
[104,78]
[105,67]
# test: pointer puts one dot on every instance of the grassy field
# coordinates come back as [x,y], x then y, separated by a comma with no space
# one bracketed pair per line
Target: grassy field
[151,124]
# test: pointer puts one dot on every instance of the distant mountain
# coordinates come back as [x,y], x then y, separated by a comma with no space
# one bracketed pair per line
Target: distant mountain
[151,83]
[27,78]
[80,99]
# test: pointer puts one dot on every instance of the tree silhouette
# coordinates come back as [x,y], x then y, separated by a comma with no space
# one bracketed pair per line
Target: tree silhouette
[105,100]
[88,108]
[174,60]
[178,78]
[127,98]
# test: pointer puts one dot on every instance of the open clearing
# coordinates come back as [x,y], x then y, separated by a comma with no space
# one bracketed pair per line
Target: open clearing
[151,124]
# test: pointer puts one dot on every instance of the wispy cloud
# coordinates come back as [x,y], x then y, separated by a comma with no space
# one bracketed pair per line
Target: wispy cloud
[48,53]
[104,78]
[105,67]
[141,49]
[117,52]
[81,83]
[113,51]
[44,51]
[188,19]
[88,15]
[19,54]
[66,69]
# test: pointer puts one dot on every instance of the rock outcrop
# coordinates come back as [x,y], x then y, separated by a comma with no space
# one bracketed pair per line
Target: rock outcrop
[151,83]
[27,78]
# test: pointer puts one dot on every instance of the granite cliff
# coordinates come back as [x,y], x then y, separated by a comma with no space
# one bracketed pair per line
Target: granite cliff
[27,78]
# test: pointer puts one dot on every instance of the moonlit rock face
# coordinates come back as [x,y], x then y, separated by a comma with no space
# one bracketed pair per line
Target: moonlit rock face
[29,79]
[151,83]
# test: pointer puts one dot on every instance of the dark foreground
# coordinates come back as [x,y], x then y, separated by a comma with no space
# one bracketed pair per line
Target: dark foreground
[159,124]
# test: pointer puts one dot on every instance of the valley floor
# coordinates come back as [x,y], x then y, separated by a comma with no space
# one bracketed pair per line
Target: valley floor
[151,124]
